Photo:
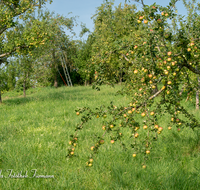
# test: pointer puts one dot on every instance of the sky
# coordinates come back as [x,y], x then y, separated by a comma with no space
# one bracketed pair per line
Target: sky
[85,9]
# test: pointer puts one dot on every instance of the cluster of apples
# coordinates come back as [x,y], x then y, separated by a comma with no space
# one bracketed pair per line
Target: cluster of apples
[73,143]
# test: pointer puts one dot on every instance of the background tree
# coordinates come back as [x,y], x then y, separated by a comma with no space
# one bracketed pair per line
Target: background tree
[11,11]
[82,60]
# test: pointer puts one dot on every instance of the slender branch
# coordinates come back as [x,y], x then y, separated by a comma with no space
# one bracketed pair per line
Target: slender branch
[194,70]
[6,54]
[142,2]
[156,94]
[3,29]
[126,58]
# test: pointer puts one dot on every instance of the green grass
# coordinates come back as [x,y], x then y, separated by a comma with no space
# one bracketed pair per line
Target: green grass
[34,134]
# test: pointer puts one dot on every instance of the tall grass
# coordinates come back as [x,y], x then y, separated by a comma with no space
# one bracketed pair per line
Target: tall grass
[34,134]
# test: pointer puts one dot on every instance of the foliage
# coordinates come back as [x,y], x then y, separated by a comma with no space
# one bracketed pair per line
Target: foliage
[13,37]
[82,59]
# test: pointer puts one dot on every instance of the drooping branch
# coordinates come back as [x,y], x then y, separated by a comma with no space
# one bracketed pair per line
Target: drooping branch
[3,29]
[5,54]
[194,70]
[9,53]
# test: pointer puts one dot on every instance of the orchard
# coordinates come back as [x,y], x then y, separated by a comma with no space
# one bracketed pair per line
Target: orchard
[155,53]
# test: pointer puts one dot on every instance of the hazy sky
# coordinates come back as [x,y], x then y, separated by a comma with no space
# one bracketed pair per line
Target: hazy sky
[85,9]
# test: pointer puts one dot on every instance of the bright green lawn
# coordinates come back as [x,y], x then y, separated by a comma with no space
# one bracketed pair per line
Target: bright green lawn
[34,134]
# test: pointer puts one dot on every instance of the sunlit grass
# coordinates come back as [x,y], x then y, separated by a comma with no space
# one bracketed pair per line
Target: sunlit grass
[34,134]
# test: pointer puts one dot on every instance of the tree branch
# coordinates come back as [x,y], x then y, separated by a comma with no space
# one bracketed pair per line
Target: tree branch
[126,58]
[156,94]
[6,54]
[194,70]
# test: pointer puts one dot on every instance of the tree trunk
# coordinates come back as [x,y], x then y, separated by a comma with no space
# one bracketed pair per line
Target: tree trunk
[120,77]
[197,94]
[85,82]
[55,81]
[55,69]
[120,80]
[0,97]
[24,88]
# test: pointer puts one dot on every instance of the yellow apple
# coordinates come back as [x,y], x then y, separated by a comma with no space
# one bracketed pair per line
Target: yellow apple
[152,113]
[129,112]
[156,126]
[141,17]
[92,148]
[91,160]
[112,141]
[134,155]
[136,128]
[150,75]
[169,53]
[136,135]
[173,63]
[147,151]
[169,59]
[144,166]
[145,127]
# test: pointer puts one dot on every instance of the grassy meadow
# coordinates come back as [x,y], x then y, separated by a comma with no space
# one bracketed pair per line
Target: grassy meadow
[34,137]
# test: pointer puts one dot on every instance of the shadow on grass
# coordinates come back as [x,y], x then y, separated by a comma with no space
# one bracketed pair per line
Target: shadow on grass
[71,94]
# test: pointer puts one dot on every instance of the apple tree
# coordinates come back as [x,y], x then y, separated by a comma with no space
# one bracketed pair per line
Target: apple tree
[11,12]
[114,34]
[161,54]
